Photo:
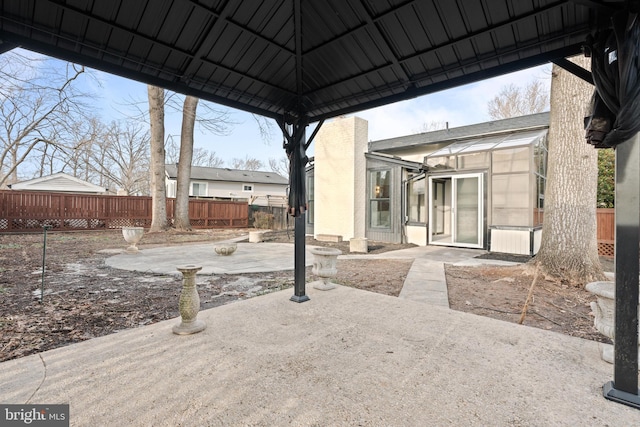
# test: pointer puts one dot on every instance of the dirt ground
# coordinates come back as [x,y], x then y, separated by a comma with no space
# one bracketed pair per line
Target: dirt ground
[83,298]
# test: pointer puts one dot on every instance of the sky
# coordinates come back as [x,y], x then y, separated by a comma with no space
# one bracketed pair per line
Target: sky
[460,106]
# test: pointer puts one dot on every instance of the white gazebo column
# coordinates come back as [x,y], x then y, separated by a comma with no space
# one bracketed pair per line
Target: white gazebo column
[340,178]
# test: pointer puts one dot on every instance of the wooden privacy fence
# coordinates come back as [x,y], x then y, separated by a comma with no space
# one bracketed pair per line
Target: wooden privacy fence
[606,231]
[30,211]
[606,223]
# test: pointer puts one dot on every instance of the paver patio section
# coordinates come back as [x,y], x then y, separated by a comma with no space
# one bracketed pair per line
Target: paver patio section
[248,258]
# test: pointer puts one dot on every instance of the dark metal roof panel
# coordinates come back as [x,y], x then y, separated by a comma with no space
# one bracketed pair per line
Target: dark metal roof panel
[348,54]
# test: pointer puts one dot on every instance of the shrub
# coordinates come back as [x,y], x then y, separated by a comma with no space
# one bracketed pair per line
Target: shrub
[262,220]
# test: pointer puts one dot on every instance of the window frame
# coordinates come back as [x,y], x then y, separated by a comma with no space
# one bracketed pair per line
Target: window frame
[199,183]
[421,200]
[373,184]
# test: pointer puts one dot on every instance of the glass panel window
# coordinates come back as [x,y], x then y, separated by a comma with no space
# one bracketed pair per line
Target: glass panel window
[479,160]
[379,206]
[171,188]
[310,200]
[380,183]
[247,188]
[442,162]
[511,160]
[416,207]
[380,214]
[198,189]
[467,210]
[511,197]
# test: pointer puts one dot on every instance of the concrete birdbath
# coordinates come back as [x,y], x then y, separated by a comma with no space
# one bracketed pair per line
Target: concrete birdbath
[189,302]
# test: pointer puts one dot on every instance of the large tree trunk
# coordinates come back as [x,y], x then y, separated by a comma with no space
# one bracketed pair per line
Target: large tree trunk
[569,248]
[184,164]
[158,192]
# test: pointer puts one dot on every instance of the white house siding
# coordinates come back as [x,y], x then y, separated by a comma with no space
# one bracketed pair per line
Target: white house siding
[59,182]
[235,190]
[417,234]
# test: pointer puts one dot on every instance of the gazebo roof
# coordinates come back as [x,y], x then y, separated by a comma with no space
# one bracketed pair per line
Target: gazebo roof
[292,58]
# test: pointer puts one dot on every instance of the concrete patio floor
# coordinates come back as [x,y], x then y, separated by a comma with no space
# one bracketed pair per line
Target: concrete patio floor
[346,357]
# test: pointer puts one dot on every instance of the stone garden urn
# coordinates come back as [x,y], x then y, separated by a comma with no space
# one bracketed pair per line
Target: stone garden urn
[324,267]
[604,309]
[189,304]
[132,235]
[225,248]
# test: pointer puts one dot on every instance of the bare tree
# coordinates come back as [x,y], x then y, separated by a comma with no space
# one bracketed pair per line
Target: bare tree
[265,127]
[158,191]
[172,150]
[201,156]
[431,126]
[514,101]
[248,163]
[279,166]
[569,248]
[79,160]
[124,161]
[181,214]
[39,104]
[206,158]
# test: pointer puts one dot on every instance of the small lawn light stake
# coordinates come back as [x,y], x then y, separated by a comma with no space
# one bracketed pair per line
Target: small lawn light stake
[189,302]
[44,256]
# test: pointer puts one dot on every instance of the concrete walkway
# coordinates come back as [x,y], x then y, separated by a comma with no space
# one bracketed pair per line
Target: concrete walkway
[426,280]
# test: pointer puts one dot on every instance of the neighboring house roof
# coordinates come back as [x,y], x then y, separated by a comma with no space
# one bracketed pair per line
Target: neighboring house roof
[58,182]
[532,121]
[229,175]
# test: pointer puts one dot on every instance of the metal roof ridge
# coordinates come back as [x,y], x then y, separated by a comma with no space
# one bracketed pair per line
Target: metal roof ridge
[502,126]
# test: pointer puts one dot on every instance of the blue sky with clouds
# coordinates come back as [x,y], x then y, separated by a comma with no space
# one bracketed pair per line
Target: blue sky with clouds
[460,106]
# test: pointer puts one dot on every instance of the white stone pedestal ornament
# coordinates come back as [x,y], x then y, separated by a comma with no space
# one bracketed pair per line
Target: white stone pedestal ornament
[324,267]
[189,302]
[604,309]
[256,236]
[359,244]
[132,235]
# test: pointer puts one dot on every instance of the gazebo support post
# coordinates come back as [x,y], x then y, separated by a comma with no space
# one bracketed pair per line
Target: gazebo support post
[624,387]
[295,145]
[299,294]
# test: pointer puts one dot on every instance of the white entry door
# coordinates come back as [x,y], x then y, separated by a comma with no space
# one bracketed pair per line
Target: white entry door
[464,208]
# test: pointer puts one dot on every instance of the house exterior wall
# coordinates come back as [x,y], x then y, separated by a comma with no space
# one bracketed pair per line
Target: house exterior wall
[417,234]
[510,170]
[234,190]
[340,178]
[59,183]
